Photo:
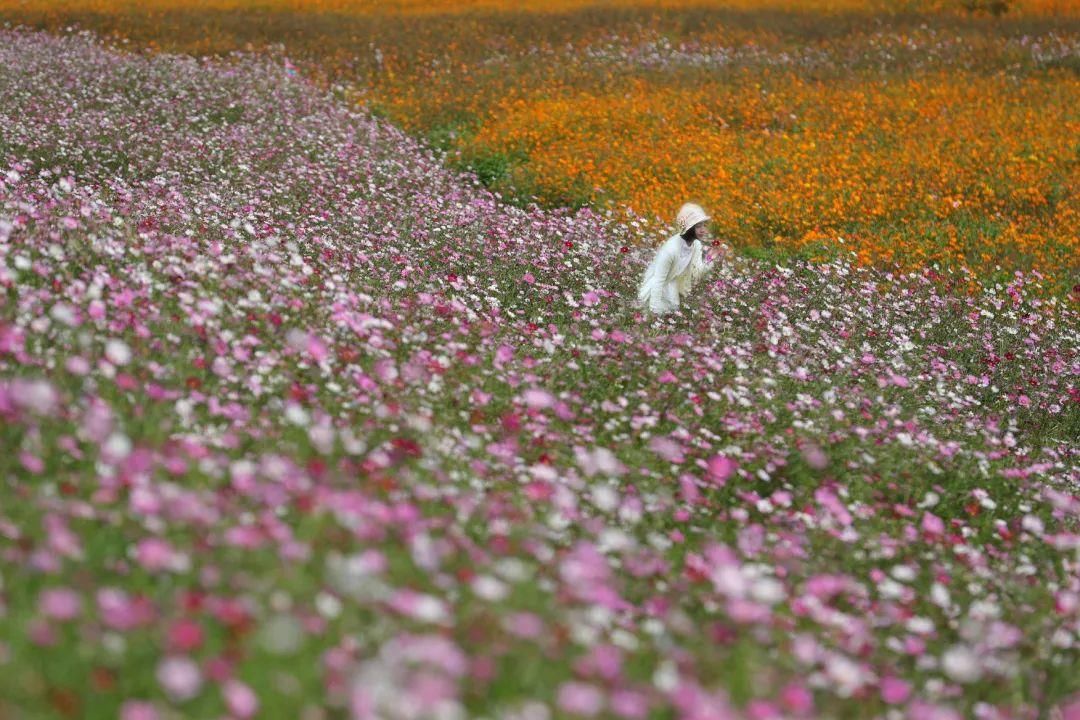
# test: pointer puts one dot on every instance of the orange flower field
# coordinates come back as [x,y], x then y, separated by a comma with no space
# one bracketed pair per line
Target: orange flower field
[437,7]
[936,168]
[909,133]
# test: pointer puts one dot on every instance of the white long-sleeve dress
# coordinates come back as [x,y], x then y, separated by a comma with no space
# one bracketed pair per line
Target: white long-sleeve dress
[672,274]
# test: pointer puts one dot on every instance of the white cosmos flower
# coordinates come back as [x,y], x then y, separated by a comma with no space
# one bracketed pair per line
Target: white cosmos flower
[604,498]
[490,588]
[297,415]
[903,573]
[961,664]
[117,352]
[767,590]
[939,595]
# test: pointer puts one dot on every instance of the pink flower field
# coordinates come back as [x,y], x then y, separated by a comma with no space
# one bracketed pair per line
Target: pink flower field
[298,423]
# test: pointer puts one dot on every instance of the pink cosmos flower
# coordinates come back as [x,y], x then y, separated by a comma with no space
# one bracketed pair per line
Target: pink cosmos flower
[894,690]
[605,661]
[815,457]
[317,348]
[824,587]
[762,710]
[154,554]
[524,625]
[120,611]
[584,567]
[503,355]
[420,606]
[828,500]
[31,462]
[688,489]
[720,468]
[932,524]
[920,710]
[629,704]
[60,603]
[240,699]
[1066,603]
[667,448]
[179,677]
[1071,709]
[77,365]
[138,710]
[577,698]
[537,398]
[797,698]
[37,396]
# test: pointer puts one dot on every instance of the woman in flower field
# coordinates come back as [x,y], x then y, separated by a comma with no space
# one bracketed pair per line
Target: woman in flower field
[679,263]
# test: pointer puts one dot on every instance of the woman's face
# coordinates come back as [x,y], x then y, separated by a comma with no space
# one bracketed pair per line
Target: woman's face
[701,230]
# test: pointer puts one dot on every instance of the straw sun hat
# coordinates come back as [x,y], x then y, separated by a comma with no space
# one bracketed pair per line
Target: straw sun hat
[689,216]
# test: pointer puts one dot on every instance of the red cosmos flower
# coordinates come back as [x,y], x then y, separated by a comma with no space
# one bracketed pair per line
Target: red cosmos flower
[695,569]
[231,613]
[499,544]
[568,244]
[65,701]
[185,635]
[511,422]
[624,249]
[305,503]
[193,600]
[103,678]
[407,446]
[384,483]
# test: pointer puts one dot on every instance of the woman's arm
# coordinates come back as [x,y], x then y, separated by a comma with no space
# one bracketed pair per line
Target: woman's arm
[720,252]
[652,289]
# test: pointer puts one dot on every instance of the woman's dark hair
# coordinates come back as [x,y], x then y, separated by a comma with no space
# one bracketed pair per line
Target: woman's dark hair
[689,234]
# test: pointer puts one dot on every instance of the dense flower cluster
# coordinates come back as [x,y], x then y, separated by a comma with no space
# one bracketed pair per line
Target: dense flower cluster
[297,418]
[911,133]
